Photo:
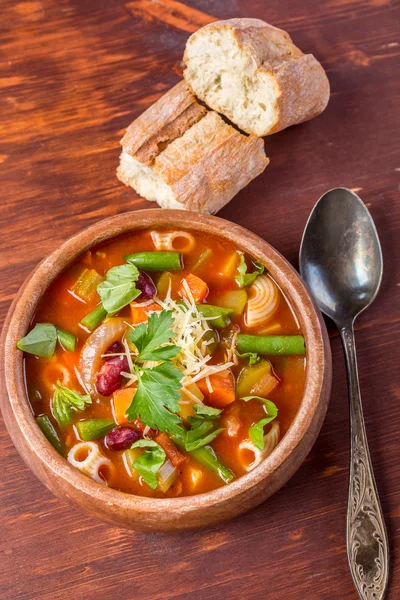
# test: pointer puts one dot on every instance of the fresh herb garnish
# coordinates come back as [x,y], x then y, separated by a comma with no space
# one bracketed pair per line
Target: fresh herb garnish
[256,431]
[157,396]
[118,288]
[202,425]
[150,461]
[41,341]
[149,339]
[252,356]
[244,278]
[65,402]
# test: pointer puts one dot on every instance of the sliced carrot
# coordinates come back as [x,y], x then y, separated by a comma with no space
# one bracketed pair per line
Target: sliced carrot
[197,286]
[140,314]
[120,403]
[223,386]
[170,449]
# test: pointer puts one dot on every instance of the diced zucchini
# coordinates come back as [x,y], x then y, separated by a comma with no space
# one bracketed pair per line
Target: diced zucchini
[233,299]
[257,380]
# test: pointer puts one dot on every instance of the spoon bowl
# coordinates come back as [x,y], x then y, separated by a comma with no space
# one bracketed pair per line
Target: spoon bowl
[340,255]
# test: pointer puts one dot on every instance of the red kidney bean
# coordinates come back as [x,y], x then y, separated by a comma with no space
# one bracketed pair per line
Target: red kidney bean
[146,285]
[115,348]
[121,438]
[109,378]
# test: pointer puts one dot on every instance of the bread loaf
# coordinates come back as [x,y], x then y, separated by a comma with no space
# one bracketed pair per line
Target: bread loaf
[252,73]
[183,156]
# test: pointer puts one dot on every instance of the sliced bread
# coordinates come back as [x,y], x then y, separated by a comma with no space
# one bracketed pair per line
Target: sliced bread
[252,73]
[182,156]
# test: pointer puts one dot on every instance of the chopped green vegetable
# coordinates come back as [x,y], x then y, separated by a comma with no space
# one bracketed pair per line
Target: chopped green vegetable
[49,431]
[155,261]
[150,461]
[92,429]
[66,339]
[156,399]
[244,279]
[271,344]
[252,356]
[236,300]
[251,376]
[94,318]
[200,434]
[218,317]
[206,457]
[118,288]
[256,431]
[205,255]
[149,338]
[65,402]
[41,341]
[86,286]
[207,411]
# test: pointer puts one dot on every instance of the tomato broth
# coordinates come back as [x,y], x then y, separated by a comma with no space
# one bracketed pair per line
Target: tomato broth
[216,274]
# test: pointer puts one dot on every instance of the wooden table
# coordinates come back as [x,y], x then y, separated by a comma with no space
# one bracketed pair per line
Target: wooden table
[73,74]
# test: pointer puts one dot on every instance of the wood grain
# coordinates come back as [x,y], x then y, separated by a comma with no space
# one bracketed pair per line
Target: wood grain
[73,74]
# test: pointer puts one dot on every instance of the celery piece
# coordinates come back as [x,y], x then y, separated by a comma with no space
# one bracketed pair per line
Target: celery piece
[66,339]
[94,318]
[49,431]
[86,286]
[92,429]
[203,258]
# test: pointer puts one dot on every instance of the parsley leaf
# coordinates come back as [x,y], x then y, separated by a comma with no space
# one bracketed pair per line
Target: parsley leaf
[256,431]
[156,399]
[203,410]
[244,278]
[65,402]
[149,338]
[149,462]
[41,341]
[118,287]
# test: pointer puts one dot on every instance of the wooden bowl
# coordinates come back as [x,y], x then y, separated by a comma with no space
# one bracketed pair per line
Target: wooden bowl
[153,514]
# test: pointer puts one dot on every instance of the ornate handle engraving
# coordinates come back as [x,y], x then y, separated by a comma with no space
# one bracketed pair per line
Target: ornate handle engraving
[367,543]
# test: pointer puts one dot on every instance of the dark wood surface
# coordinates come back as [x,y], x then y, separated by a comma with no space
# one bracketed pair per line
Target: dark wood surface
[73,74]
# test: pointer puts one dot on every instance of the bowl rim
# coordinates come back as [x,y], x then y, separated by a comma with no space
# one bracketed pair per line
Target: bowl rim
[21,312]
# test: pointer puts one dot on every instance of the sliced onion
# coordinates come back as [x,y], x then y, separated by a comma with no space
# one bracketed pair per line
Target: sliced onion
[263,301]
[167,476]
[96,345]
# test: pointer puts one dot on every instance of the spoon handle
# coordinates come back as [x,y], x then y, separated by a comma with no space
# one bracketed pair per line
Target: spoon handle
[367,542]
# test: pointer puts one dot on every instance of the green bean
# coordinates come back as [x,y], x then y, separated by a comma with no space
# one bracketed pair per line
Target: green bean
[220,315]
[155,261]
[66,339]
[92,429]
[49,431]
[94,318]
[271,344]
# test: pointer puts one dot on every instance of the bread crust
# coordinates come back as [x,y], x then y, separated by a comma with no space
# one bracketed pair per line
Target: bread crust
[205,163]
[163,122]
[303,87]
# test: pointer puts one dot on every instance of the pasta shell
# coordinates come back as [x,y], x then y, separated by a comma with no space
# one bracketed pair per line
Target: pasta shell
[263,301]
[92,462]
[271,440]
[169,241]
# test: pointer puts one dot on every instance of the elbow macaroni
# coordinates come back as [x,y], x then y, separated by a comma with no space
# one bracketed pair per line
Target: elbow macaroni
[93,461]
[271,440]
[263,301]
[167,241]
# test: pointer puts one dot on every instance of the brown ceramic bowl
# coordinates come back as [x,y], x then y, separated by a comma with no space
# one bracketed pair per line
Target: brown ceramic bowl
[176,513]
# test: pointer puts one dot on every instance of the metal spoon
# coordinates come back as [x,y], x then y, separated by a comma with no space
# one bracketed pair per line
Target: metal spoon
[341,262]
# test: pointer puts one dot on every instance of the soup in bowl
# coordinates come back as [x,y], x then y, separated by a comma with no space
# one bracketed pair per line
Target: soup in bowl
[171,376]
